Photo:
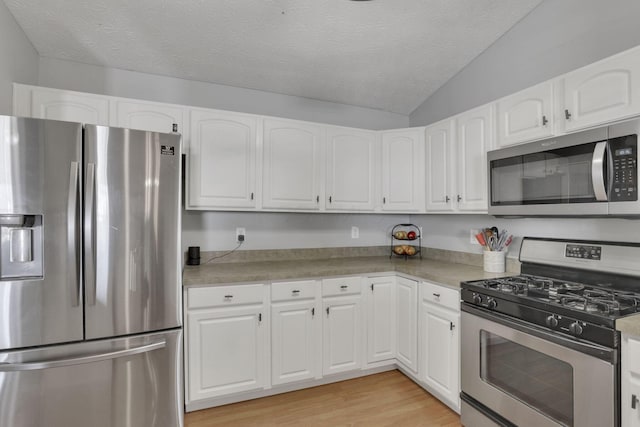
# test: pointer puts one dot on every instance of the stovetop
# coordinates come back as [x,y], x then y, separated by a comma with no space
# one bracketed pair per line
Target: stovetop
[576,297]
[577,288]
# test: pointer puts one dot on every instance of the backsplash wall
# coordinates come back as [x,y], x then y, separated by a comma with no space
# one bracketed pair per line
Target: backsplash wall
[452,231]
[215,231]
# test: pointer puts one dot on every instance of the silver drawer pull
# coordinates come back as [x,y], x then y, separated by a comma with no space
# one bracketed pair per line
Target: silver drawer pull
[295,291]
[343,286]
[436,295]
[228,296]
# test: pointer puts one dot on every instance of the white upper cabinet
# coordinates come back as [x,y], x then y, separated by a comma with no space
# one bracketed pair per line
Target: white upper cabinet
[292,159]
[149,116]
[68,106]
[474,135]
[351,159]
[403,170]
[440,176]
[222,160]
[526,115]
[601,92]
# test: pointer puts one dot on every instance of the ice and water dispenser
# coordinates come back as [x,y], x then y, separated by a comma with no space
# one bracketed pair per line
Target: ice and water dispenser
[20,246]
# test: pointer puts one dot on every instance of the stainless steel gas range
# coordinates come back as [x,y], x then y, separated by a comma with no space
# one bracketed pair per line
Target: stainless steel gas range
[541,348]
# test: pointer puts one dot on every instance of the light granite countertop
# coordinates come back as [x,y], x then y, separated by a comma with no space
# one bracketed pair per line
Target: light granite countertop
[444,267]
[443,272]
[629,324]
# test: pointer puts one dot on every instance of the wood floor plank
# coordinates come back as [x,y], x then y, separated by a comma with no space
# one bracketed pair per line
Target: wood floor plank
[386,399]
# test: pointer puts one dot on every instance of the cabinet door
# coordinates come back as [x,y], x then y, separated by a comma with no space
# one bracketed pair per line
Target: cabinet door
[222,160]
[526,115]
[474,132]
[350,169]
[291,165]
[439,147]
[601,92]
[381,319]
[294,341]
[69,106]
[631,401]
[407,323]
[226,351]
[440,352]
[342,335]
[147,116]
[403,170]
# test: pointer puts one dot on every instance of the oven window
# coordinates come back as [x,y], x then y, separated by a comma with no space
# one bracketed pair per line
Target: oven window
[555,176]
[538,380]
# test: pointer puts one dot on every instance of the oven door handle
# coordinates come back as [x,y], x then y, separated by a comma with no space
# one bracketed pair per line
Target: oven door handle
[604,353]
[597,171]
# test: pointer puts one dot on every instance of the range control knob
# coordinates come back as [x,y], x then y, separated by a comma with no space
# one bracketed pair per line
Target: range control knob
[552,321]
[477,299]
[575,328]
[491,303]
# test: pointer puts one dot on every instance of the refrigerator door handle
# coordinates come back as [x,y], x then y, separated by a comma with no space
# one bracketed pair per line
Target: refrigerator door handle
[89,251]
[72,236]
[57,363]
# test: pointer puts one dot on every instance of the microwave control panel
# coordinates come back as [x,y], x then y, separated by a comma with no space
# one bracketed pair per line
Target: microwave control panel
[624,185]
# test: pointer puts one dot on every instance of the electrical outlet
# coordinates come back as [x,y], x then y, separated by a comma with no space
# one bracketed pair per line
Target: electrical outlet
[472,236]
[355,232]
[241,234]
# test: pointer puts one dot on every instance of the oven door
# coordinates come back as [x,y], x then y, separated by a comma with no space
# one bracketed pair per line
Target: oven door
[531,377]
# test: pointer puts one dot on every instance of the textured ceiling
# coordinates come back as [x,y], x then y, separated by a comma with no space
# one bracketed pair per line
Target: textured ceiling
[384,54]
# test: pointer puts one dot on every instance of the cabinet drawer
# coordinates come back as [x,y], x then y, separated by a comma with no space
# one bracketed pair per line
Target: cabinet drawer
[633,355]
[224,296]
[302,289]
[441,295]
[341,286]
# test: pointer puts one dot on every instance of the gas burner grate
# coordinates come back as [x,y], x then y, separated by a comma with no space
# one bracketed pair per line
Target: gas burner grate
[599,300]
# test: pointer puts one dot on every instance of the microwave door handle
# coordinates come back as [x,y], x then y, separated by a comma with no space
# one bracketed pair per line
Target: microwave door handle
[597,171]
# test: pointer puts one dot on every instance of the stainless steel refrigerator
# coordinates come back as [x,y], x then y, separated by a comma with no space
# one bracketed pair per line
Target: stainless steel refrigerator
[90,312]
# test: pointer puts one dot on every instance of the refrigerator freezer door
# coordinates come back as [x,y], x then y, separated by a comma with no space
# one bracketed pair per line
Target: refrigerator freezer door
[40,194]
[131,231]
[123,382]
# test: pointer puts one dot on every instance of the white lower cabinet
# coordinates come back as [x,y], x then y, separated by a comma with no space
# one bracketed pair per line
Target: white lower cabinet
[227,341]
[440,342]
[407,323]
[296,332]
[342,341]
[381,318]
[630,395]
[252,340]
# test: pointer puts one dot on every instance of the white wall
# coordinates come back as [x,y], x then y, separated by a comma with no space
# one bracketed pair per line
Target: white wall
[556,37]
[18,59]
[116,82]
[216,231]
[452,231]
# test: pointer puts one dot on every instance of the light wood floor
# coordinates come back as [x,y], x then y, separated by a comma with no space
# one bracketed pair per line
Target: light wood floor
[386,399]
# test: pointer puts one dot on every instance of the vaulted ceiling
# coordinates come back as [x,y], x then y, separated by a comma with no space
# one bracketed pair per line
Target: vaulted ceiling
[384,54]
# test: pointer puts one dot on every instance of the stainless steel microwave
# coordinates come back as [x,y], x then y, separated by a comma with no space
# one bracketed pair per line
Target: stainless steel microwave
[589,173]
